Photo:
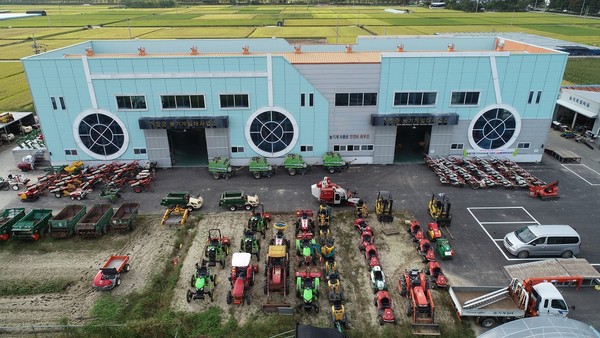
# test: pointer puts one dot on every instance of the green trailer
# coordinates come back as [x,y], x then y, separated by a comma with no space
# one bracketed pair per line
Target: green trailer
[124,218]
[33,225]
[8,218]
[220,167]
[259,167]
[95,222]
[63,224]
[295,164]
[333,162]
[182,199]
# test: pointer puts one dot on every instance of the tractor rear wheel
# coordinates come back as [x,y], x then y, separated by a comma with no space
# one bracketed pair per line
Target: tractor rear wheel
[229,298]
[188,296]
[331,170]
[381,322]
[292,172]
[316,307]
[212,296]
[409,310]
[257,175]
[192,281]
[265,288]
[127,267]
[215,280]
[249,299]
[216,176]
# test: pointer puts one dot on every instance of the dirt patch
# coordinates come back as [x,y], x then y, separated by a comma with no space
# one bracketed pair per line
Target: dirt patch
[147,245]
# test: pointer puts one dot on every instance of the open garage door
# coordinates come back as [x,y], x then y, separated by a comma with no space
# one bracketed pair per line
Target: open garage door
[412,143]
[188,147]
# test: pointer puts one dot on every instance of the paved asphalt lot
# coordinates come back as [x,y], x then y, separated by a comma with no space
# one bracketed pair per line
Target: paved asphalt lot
[480,217]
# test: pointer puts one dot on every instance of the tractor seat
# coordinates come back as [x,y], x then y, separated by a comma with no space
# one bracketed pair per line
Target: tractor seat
[202,271]
[416,281]
[308,283]
[333,278]
[337,305]
[385,303]
[241,273]
[378,275]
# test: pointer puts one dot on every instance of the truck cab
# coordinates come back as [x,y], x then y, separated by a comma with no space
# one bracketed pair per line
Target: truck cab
[546,300]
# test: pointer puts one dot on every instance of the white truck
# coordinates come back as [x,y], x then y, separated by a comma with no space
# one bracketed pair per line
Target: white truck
[489,305]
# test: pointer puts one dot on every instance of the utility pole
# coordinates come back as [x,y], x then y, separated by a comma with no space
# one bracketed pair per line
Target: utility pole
[129,28]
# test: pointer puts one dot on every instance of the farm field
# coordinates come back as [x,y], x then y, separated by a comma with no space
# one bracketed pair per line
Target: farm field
[66,25]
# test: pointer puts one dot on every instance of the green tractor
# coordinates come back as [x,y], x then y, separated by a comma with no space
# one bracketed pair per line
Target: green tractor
[217,248]
[220,167]
[306,250]
[295,164]
[307,289]
[443,248]
[250,244]
[333,162]
[203,283]
[260,220]
[259,167]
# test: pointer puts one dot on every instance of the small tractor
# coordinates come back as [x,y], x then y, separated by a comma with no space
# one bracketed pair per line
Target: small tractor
[203,283]
[217,248]
[414,228]
[332,194]
[372,256]
[241,279]
[305,226]
[259,221]
[279,238]
[328,250]
[443,248]
[335,292]
[383,206]
[362,226]
[378,279]
[306,250]
[339,320]
[548,192]
[277,276]
[439,209]
[259,167]
[425,250]
[415,286]
[366,239]
[250,244]
[385,313]
[433,231]
[333,162]
[220,167]
[361,209]
[330,268]
[436,275]
[295,164]
[307,289]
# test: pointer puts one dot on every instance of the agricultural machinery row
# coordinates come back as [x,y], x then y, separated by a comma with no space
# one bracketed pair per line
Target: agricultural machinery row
[77,181]
[481,173]
[258,167]
[73,219]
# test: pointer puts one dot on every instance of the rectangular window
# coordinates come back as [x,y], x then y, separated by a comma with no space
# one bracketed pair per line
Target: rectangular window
[456,146]
[530,97]
[339,148]
[356,99]
[63,106]
[234,101]
[415,99]
[539,96]
[302,97]
[54,106]
[71,152]
[524,145]
[366,147]
[353,147]
[182,101]
[465,98]
[137,102]
[237,149]
[306,148]
[311,100]
[139,151]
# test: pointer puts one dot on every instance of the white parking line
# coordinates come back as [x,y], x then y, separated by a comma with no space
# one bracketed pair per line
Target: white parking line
[574,173]
[494,240]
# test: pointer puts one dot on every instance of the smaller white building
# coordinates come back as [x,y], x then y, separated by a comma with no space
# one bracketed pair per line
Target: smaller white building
[579,106]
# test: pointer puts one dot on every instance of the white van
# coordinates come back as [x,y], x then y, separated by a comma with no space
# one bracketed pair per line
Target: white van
[543,240]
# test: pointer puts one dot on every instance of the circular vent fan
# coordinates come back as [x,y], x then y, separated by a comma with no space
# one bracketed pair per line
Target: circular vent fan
[271,132]
[100,134]
[494,128]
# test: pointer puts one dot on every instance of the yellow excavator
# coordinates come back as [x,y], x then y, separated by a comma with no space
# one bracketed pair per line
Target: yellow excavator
[439,209]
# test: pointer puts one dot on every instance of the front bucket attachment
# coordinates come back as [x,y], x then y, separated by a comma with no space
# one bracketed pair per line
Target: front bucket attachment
[280,308]
[425,329]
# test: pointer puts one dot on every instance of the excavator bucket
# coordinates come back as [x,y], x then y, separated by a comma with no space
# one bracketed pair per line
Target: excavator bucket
[423,329]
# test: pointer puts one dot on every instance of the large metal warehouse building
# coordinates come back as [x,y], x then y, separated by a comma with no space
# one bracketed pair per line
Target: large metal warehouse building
[382,100]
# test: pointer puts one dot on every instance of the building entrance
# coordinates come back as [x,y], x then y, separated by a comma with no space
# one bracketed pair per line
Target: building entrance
[412,143]
[188,147]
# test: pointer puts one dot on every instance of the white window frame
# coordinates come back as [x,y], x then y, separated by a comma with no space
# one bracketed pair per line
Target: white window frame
[465,104]
[367,146]
[412,105]
[184,94]
[234,108]
[130,95]
[457,146]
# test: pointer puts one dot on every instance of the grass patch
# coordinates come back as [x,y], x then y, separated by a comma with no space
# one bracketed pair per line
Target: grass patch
[33,287]
[579,71]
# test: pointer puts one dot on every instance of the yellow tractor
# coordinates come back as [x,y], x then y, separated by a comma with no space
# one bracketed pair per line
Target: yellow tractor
[439,209]
[383,206]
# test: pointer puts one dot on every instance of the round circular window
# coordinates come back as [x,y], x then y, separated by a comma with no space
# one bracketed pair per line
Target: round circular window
[495,127]
[271,132]
[100,134]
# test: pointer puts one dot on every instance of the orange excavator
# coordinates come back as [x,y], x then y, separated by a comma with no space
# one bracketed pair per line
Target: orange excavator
[545,192]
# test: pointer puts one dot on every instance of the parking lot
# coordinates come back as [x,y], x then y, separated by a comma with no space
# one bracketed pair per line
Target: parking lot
[481,217]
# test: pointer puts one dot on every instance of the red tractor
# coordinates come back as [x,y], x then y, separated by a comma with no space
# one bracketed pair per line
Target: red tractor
[415,286]
[425,250]
[241,279]
[385,313]
[362,226]
[332,194]
[545,192]
[436,275]
[416,233]
[433,231]
[366,239]
[371,256]
[304,224]
[277,270]
[279,238]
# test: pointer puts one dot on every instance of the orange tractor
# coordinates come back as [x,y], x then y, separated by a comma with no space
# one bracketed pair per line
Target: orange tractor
[545,192]
[415,286]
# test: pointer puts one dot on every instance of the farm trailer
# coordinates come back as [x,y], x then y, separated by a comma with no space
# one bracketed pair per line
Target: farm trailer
[95,222]
[8,218]
[33,225]
[63,224]
[124,218]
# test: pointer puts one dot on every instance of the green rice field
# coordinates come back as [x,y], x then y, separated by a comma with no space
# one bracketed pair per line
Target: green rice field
[66,25]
